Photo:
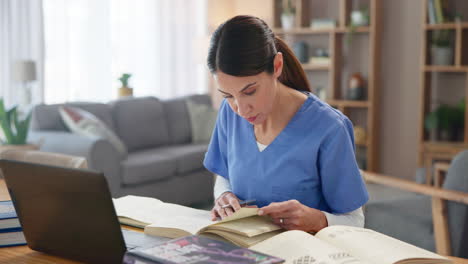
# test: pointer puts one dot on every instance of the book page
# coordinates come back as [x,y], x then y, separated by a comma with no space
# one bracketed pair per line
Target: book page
[300,247]
[136,208]
[160,214]
[242,213]
[249,226]
[374,246]
[240,240]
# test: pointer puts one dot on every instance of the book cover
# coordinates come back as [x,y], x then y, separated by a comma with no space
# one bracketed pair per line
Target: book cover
[8,217]
[198,249]
[12,237]
[439,12]
[431,12]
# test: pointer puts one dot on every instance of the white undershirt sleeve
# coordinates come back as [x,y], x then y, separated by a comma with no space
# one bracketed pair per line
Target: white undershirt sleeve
[354,218]
[221,186]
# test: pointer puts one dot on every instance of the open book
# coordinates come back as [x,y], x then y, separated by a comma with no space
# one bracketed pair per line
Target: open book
[244,228]
[344,244]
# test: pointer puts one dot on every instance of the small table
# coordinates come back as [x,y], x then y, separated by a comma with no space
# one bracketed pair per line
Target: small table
[23,254]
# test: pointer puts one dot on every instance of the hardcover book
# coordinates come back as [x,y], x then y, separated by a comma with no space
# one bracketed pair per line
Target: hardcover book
[8,217]
[12,237]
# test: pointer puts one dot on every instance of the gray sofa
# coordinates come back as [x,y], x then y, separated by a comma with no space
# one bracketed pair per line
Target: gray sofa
[161,161]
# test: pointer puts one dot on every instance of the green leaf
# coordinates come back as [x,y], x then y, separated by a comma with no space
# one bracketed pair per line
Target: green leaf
[14,129]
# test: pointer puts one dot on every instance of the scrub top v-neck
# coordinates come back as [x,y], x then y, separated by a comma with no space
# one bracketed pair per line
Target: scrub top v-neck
[311,160]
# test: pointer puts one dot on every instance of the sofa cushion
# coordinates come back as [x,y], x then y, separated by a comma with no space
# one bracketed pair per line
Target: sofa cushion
[141,122]
[178,121]
[188,157]
[407,218]
[147,165]
[47,117]
[202,120]
[86,124]
[162,162]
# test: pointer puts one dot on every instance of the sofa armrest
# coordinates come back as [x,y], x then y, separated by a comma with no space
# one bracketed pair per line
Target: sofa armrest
[99,153]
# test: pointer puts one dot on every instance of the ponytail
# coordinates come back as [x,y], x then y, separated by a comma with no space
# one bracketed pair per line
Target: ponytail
[293,74]
[246,46]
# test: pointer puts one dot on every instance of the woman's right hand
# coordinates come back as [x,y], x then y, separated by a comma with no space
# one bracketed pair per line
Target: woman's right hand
[227,198]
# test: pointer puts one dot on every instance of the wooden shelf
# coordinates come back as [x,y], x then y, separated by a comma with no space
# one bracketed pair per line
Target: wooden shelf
[357,30]
[446,26]
[437,68]
[310,31]
[348,103]
[365,145]
[312,67]
[362,113]
[437,145]
[433,150]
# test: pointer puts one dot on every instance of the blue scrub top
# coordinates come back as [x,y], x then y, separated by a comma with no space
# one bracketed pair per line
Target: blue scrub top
[312,160]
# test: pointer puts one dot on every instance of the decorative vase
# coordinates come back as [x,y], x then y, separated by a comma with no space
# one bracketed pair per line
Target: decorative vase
[287,21]
[356,93]
[359,18]
[125,91]
[444,135]
[442,55]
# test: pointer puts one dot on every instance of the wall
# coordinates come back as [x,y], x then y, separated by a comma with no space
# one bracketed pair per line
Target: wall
[400,64]
[400,75]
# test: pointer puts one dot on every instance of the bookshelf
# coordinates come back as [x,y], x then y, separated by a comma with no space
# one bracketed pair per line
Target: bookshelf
[443,84]
[334,77]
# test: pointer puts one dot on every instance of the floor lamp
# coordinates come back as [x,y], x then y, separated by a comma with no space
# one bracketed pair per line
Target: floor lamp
[24,71]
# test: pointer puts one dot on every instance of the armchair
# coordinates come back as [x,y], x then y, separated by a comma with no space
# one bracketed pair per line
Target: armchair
[431,217]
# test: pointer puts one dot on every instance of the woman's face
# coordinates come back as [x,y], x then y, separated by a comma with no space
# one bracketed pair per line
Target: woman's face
[251,97]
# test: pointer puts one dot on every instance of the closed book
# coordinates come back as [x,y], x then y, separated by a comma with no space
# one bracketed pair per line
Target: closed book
[198,249]
[12,237]
[8,217]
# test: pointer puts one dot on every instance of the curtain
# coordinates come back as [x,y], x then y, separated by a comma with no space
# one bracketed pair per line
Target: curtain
[90,44]
[21,39]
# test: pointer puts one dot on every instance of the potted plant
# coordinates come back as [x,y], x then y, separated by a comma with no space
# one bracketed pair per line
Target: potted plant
[125,91]
[441,48]
[288,15]
[446,122]
[15,130]
[358,18]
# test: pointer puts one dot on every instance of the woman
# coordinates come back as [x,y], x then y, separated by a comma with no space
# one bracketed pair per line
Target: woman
[274,141]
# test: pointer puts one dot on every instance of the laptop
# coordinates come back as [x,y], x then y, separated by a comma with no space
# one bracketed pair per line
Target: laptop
[69,213]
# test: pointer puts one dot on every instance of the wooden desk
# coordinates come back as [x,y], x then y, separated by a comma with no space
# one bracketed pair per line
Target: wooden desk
[24,255]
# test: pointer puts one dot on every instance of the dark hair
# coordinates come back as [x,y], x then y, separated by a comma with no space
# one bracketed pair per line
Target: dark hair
[246,46]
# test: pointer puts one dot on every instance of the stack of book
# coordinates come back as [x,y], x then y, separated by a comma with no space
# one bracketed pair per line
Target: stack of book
[267,243]
[11,233]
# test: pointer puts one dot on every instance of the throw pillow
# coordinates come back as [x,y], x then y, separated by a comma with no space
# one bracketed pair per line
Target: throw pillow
[86,124]
[202,119]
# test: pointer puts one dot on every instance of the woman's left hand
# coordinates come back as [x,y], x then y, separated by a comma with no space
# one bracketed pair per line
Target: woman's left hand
[292,215]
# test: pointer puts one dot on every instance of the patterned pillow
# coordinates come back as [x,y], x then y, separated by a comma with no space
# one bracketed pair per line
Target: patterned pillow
[86,124]
[202,119]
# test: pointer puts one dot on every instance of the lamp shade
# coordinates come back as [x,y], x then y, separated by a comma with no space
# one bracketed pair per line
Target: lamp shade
[24,71]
